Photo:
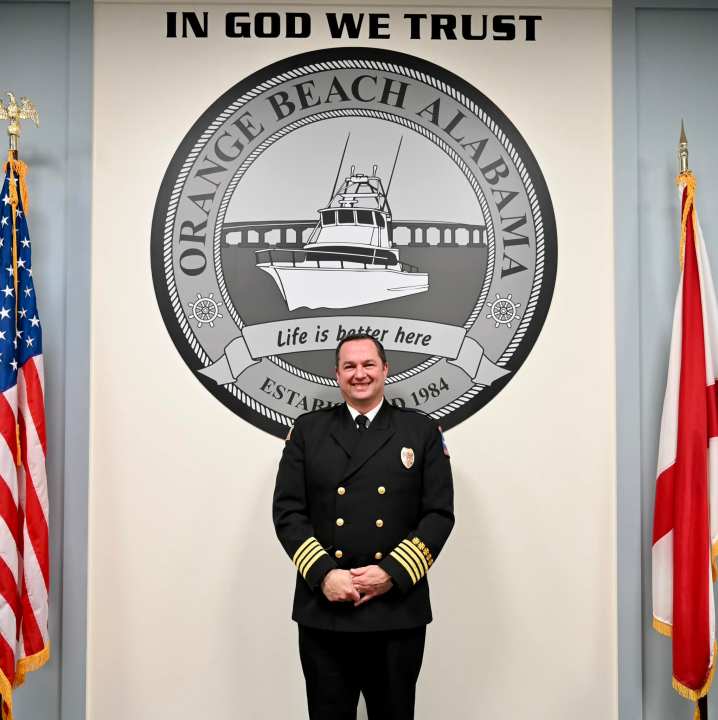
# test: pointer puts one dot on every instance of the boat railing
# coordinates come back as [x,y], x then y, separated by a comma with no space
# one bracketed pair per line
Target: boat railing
[285,256]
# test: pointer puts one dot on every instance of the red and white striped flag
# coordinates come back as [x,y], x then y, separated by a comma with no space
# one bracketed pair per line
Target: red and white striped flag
[685,524]
[24,543]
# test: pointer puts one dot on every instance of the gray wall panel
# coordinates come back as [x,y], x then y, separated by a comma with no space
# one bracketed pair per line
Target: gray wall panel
[34,62]
[628,371]
[45,54]
[677,58]
[665,63]
[77,366]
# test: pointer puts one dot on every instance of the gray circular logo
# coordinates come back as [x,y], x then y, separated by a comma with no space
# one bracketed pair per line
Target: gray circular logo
[346,191]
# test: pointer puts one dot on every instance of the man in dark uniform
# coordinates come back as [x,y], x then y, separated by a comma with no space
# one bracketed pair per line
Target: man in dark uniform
[363,505]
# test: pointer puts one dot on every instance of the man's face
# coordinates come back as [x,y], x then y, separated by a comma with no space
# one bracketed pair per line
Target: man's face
[361,374]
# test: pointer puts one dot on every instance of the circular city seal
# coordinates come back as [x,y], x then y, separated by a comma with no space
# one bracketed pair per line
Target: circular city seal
[353,191]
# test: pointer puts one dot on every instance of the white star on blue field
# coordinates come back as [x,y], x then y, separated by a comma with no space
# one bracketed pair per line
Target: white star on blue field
[20,339]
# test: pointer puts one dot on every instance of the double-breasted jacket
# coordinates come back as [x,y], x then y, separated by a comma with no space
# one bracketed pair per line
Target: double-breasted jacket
[345,499]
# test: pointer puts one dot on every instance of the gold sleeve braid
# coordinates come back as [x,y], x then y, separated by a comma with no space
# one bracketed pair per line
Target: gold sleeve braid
[414,556]
[307,554]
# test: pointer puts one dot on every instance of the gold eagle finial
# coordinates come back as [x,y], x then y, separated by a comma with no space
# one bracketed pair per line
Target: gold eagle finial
[14,113]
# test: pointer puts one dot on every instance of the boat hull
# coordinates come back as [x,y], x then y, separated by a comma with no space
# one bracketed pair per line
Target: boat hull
[321,287]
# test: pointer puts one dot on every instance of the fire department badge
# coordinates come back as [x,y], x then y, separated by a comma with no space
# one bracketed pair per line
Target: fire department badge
[407,457]
[353,191]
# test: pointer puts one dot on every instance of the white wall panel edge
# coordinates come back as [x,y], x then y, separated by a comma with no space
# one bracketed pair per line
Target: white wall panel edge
[77,386]
[628,417]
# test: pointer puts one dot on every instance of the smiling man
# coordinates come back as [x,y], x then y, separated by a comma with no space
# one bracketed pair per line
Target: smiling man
[363,505]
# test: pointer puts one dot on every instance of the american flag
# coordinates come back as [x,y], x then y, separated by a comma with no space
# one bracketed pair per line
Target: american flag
[24,542]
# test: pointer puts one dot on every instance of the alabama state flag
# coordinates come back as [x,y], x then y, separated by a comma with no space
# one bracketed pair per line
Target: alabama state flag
[685,526]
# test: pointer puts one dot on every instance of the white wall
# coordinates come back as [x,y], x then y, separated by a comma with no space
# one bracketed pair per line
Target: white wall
[189,591]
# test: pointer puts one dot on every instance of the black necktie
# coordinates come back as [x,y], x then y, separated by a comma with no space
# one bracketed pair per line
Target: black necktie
[361,422]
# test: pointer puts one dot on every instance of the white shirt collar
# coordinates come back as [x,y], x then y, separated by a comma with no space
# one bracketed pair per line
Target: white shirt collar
[369,415]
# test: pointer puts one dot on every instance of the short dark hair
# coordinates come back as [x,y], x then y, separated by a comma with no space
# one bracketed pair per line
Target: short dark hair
[360,336]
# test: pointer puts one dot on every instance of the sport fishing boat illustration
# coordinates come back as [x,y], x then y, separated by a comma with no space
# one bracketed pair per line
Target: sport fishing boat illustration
[349,259]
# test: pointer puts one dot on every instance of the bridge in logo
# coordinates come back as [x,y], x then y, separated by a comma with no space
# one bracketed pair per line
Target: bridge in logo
[291,233]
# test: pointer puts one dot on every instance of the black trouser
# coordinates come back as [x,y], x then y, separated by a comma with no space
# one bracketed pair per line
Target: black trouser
[383,666]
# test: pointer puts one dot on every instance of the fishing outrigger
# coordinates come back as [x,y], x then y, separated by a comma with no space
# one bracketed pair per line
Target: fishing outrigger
[350,258]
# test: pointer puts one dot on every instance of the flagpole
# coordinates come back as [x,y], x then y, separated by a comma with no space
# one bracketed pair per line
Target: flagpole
[14,112]
[32,647]
[683,150]
[12,138]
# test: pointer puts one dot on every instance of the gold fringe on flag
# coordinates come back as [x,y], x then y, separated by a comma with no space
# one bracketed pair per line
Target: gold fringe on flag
[31,663]
[688,180]
[662,628]
[24,666]
[6,699]
[19,168]
[696,695]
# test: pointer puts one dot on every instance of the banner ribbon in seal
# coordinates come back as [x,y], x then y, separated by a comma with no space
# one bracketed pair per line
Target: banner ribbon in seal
[324,333]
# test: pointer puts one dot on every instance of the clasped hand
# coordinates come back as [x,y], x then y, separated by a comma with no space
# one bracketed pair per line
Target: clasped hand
[358,585]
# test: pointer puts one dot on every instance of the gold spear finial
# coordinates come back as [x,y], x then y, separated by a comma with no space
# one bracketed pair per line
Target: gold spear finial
[683,150]
[14,113]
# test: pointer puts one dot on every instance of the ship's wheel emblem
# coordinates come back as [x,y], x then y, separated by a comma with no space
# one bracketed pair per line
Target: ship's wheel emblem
[503,310]
[205,310]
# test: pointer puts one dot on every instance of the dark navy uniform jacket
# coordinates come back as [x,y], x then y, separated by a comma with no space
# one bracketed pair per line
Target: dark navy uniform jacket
[345,499]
